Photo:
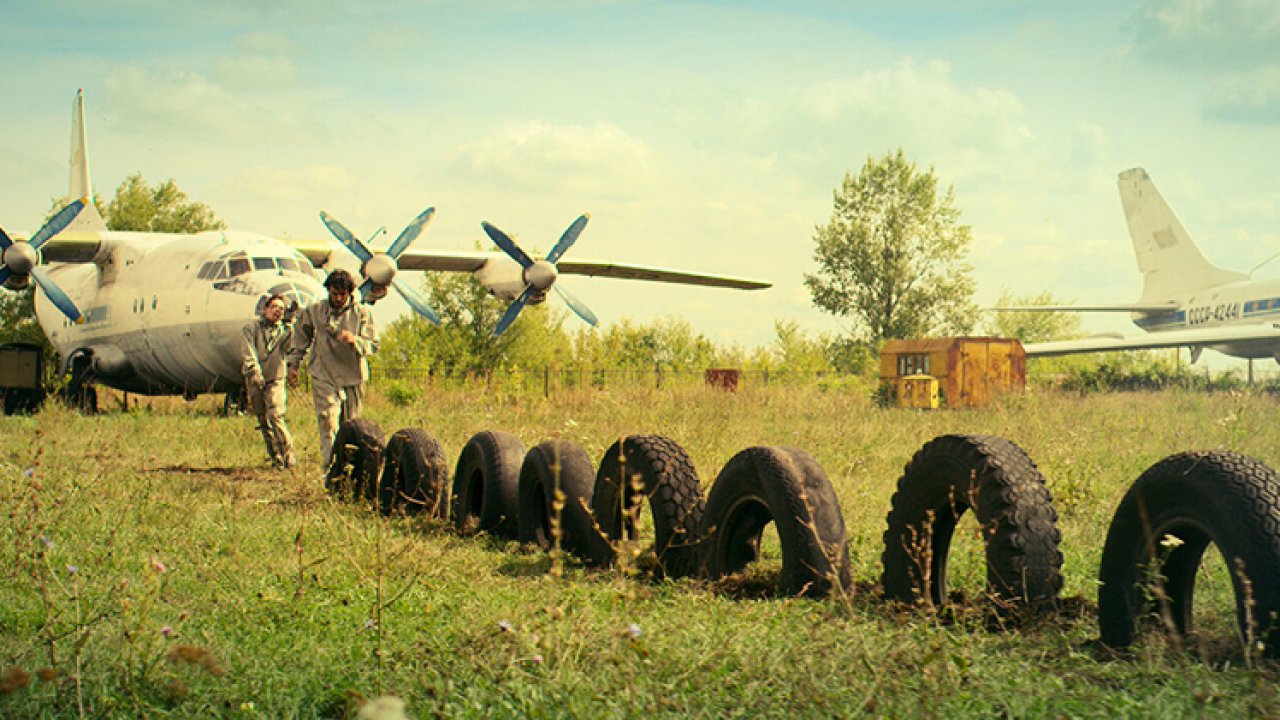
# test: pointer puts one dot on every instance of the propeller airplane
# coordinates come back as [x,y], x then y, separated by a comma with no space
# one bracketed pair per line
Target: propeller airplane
[161,313]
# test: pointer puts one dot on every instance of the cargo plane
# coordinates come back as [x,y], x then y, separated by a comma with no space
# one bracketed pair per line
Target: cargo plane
[161,314]
[1186,301]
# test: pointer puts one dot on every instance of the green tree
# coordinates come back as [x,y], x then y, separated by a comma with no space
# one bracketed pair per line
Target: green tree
[139,207]
[1032,326]
[892,257]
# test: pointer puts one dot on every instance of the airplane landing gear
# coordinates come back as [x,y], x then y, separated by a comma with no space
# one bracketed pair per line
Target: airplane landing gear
[80,392]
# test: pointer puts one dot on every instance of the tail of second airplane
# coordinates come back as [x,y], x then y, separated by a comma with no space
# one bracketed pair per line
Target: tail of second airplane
[1170,262]
[88,219]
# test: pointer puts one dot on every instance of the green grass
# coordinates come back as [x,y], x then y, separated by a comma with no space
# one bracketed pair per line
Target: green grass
[206,584]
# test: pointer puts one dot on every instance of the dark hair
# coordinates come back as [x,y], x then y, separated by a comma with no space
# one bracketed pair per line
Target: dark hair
[277,296]
[340,280]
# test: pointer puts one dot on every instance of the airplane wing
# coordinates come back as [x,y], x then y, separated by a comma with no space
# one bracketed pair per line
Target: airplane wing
[604,268]
[1206,337]
[1120,307]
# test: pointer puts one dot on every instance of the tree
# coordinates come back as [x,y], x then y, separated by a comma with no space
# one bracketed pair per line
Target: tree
[892,256]
[139,207]
[1032,326]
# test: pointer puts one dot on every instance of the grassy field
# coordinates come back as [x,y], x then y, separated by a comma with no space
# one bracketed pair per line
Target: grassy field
[154,566]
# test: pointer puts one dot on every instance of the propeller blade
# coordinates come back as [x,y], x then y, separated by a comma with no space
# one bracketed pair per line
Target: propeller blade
[56,295]
[416,301]
[5,274]
[577,306]
[5,242]
[56,224]
[364,289]
[567,240]
[410,233]
[507,244]
[345,237]
[513,310]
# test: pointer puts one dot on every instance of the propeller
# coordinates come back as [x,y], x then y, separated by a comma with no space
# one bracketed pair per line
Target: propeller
[20,260]
[540,275]
[379,269]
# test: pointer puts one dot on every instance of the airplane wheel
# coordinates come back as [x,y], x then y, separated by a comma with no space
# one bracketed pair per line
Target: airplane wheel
[486,482]
[993,477]
[554,499]
[415,477]
[786,487]
[653,467]
[1160,532]
[356,459]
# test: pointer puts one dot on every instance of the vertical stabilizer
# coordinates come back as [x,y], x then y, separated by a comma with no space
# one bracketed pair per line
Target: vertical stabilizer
[88,219]
[1169,260]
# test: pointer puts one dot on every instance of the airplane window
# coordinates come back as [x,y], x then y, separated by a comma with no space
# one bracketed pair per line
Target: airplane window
[264,264]
[206,271]
[219,271]
[289,265]
[238,266]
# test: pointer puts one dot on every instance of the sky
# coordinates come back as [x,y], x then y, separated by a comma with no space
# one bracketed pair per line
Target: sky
[706,136]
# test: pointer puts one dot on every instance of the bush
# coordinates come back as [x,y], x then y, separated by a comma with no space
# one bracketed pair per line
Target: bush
[400,394]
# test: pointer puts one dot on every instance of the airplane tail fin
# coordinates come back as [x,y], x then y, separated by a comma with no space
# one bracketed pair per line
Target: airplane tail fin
[88,219]
[1168,258]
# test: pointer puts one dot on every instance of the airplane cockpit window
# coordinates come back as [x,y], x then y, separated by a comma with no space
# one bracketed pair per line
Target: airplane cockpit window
[207,271]
[289,265]
[264,264]
[220,271]
[238,266]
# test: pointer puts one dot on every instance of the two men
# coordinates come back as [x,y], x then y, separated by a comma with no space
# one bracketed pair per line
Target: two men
[263,348]
[340,335]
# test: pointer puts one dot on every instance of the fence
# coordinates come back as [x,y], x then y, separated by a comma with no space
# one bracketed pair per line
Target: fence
[548,380]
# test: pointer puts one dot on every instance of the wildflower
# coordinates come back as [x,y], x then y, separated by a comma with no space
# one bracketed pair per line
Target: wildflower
[537,659]
[369,624]
[166,631]
[158,566]
[73,569]
[505,626]
[633,630]
[46,542]
[1170,541]
[28,472]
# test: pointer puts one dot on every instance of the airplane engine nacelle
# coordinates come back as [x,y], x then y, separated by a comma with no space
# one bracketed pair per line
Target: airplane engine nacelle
[17,282]
[19,258]
[110,361]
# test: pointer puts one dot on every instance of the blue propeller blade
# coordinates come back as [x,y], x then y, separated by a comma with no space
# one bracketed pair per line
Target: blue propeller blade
[364,289]
[410,233]
[5,274]
[345,237]
[567,240]
[56,295]
[56,224]
[513,310]
[576,306]
[5,242]
[416,301]
[507,244]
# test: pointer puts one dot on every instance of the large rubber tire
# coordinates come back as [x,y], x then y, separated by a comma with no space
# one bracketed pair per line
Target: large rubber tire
[356,460]
[784,486]
[415,476]
[1223,498]
[485,484]
[653,467]
[554,499]
[995,479]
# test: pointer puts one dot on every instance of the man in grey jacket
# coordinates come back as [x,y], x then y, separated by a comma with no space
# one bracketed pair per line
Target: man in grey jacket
[339,334]
[263,348]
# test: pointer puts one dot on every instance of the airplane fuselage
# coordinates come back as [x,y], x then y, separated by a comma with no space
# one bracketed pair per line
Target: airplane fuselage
[1234,304]
[164,313]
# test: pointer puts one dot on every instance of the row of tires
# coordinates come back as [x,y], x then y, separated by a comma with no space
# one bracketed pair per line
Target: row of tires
[553,496]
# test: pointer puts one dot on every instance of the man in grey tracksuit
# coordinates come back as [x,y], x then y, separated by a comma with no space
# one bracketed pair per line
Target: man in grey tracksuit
[263,348]
[340,335]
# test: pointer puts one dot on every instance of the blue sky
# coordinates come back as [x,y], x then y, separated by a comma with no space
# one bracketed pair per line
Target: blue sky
[705,136]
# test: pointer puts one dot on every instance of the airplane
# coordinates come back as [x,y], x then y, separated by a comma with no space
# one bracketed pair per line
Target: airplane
[1186,301]
[162,313]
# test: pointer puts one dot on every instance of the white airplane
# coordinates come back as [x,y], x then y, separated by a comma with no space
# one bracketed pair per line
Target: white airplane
[162,313]
[1186,301]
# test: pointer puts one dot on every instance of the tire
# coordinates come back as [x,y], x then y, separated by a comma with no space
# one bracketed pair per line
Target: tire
[653,467]
[415,476]
[486,482]
[356,460]
[558,469]
[997,481]
[785,486]
[1223,498]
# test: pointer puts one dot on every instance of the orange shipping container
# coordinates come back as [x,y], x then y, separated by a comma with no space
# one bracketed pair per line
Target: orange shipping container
[970,370]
